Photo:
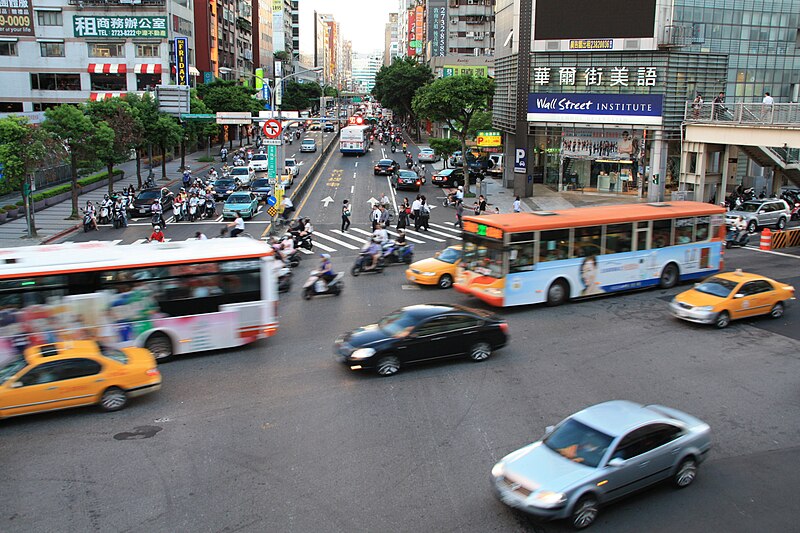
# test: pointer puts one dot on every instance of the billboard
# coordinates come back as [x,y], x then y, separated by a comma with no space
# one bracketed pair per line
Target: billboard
[119,27]
[16,18]
[437,27]
[419,27]
[480,71]
[590,19]
[182,60]
[586,108]
[412,33]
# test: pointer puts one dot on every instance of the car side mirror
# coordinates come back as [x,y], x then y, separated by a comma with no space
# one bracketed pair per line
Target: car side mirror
[16,385]
[437,254]
[548,430]
[739,295]
[616,462]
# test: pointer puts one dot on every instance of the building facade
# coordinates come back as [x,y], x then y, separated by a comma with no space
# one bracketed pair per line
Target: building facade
[346,72]
[282,37]
[262,37]
[295,30]
[365,68]
[391,47]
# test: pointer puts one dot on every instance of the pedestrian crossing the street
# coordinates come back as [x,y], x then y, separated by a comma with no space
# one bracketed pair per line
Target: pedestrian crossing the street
[349,242]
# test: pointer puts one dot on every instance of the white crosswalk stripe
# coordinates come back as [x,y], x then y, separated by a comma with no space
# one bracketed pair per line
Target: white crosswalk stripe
[449,236]
[304,251]
[337,241]
[418,234]
[347,235]
[446,228]
[326,248]
[409,239]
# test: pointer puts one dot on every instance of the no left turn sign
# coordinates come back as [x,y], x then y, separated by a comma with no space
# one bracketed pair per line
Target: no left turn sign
[272,129]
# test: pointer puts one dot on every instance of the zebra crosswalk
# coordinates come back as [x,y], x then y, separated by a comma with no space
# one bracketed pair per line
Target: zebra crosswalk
[334,240]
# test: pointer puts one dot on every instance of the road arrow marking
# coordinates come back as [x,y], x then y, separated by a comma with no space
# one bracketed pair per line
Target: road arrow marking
[327,200]
[372,201]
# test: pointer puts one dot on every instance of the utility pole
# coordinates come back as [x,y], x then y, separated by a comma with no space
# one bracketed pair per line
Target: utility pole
[522,186]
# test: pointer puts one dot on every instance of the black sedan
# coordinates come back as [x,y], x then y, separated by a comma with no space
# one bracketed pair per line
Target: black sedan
[451,177]
[386,167]
[223,187]
[261,188]
[421,333]
[407,179]
[142,204]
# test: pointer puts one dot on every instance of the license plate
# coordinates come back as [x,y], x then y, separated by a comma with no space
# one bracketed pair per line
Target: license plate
[143,211]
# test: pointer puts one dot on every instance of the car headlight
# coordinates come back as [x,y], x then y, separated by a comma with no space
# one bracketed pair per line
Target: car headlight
[428,273]
[549,498]
[498,469]
[362,353]
[704,308]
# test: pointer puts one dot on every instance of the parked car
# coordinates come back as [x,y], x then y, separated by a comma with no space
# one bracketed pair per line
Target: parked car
[244,175]
[287,178]
[438,270]
[406,179]
[385,167]
[308,145]
[730,296]
[223,187]
[143,202]
[427,155]
[495,165]
[244,202]
[598,455]
[420,333]
[452,177]
[760,213]
[259,163]
[73,374]
[261,188]
[292,165]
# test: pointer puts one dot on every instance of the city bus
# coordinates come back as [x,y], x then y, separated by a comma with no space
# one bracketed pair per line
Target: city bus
[172,298]
[551,257]
[354,139]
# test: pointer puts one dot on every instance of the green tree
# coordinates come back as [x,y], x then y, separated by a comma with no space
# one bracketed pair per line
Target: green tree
[145,109]
[444,148]
[70,125]
[166,133]
[104,144]
[396,85]
[331,91]
[199,130]
[301,96]
[127,128]
[229,96]
[455,100]
[481,120]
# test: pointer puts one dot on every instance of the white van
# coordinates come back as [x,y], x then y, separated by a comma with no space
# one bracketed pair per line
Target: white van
[496,164]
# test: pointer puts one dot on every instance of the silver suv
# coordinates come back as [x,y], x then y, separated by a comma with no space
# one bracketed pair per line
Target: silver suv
[760,213]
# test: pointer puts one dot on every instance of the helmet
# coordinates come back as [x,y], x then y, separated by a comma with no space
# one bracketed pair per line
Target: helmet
[325,256]
[460,187]
[156,228]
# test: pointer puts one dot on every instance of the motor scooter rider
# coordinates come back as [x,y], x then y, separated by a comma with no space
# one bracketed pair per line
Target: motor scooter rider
[381,235]
[223,155]
[212,174]
[286,247]
[374,249]
[121,208]
[92,213]
[409,161]
[326,272]
[740,227]
[156,209]
[157,235]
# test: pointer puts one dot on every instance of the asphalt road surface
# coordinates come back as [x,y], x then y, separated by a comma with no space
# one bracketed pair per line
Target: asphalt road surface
[279,436]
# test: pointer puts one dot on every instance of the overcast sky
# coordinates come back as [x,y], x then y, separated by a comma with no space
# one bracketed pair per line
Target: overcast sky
[361,21]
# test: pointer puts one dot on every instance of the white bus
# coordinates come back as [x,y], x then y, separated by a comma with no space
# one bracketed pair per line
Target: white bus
[354,139]
[171,298]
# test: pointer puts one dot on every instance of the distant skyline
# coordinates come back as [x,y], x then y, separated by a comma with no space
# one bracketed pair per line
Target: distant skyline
[361,21]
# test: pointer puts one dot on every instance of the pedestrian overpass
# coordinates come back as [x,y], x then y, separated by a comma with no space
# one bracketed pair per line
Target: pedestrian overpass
[715,134]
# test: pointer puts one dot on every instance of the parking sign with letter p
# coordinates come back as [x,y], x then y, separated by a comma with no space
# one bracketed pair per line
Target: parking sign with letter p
[520,161]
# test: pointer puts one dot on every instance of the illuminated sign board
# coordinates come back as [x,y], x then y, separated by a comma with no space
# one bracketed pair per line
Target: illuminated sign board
[182,60]
[483,230]
[489,138]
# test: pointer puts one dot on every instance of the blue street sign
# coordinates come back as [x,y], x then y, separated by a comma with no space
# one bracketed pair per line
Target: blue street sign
[271,200]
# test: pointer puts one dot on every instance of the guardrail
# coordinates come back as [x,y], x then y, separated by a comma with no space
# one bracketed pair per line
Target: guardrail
[747,114]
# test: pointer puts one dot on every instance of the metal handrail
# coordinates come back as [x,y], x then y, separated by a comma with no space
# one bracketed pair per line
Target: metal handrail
[751,114]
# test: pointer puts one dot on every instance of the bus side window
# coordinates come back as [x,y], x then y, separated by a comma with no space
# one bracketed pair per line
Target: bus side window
[619,238]
[684,229]
[587,241]
[553,245]
[520,257]
[702,225]
[662,233]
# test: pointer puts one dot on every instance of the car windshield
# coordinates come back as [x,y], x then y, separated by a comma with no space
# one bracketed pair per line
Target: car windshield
[749,207]
[408,174]
[261,183]
[238,199]
[148,195]
[385,162]
[11,368]
[446,172]
[308,141]
[260,157]
[578,443]
[449,255]
[717,287]
[397,324]
[112,353]
[289,163]
[240,170]
[223,183]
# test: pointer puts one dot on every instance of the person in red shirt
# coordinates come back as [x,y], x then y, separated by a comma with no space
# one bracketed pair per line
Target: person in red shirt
[157,235]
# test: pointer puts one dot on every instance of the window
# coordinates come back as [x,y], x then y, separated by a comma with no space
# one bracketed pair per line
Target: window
[8,49]
[619,238]
[702,225]
[484,259]
[520,257]
[11,107]
[108,82]
[77,368]
[49,18]
[755,287]
[56,82]
[44,373]
[147,82]
[435,326]
[662,233]
[553,245]
[148,50]
[641,235]
[52,49]
[684,229]
[645,439]
[106,50]
[587,242]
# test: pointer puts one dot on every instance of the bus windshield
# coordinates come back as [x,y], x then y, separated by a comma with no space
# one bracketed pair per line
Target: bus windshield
[483,257]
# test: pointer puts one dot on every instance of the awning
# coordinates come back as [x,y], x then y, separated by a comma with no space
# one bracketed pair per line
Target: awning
[108,68]
[96,97]
[147,69]
[193,71]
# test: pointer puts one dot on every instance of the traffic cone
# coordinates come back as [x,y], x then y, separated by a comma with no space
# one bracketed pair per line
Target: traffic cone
[766,240]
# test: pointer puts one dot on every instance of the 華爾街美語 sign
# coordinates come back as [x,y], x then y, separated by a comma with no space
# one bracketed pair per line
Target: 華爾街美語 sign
[587,108]
[119,27]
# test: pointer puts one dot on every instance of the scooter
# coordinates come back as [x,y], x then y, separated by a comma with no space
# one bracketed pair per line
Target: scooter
[393,253]
[293,259]
[284,279]
[178,211]
[302,241]
[87,221]
[119,217]
[315,286]
[104,217]
[364,262]
[731,239]
[192,212]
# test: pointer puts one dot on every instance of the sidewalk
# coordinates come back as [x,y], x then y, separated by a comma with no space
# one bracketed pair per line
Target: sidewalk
[52,222]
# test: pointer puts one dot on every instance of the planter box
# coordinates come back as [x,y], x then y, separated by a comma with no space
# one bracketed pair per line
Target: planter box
[57,199]
[12,213]
[3,217]
[38,206]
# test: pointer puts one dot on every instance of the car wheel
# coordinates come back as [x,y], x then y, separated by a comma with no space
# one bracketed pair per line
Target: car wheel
[388,366]
[723,320]
[161,347]
[752,226]
[669,276]
[558,293]
[585,512]
[445,282]
[113,399]
[781,223]
[777,310]
[685,474]
[480,351]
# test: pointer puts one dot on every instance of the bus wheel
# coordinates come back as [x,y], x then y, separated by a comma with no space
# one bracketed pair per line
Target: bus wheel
[161,346]
[669,276]
[558,293]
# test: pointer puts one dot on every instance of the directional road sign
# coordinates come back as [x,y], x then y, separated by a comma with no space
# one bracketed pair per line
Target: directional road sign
[272,142]
[272,129]
[271,200]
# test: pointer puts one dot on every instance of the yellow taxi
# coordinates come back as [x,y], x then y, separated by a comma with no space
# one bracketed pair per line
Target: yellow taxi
[287,178]
[75,373]
[437,270]
[731,296]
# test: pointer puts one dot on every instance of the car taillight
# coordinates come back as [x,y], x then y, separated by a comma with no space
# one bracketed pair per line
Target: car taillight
[419,182]
[504,327]
[152,372]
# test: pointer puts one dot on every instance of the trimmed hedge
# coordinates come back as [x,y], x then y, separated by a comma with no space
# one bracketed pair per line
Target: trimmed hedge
[67,187]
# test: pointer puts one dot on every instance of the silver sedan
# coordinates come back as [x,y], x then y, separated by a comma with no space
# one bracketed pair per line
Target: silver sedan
[427,155]
[598,455]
